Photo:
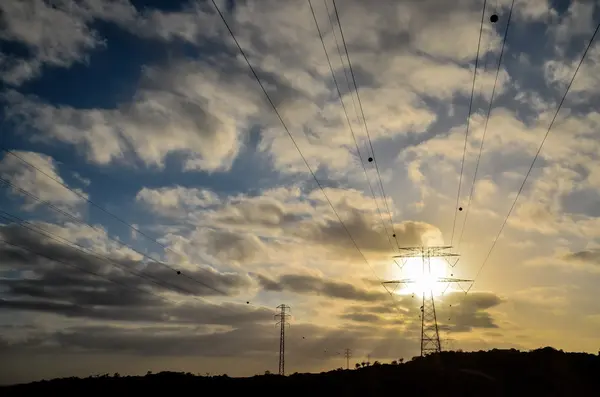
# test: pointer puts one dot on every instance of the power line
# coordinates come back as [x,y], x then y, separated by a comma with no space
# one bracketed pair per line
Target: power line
[36,229]
[83,197]
[364,118]
[490,43]
[487,119]
[81,222]
[285,127]
[345,69]
[462,163]
[103,258]
[90,272]
[349,123]
[536,155]
[347,76]
[339,51]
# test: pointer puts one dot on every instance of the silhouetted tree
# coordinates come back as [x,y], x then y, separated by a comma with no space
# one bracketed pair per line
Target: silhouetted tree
[501,372]
[394,362]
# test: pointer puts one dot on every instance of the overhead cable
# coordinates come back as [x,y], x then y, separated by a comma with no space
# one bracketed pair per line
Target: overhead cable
[337,16]
[487,119]
[462,163]
[536,155]
[349,124]
[287,130]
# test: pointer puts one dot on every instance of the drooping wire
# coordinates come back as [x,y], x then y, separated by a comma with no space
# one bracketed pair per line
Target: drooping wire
[462,163]
[121,220]
[488,51]
[64,241]
[80,268]
[535,157]
[364,120]
[81,222]
[339,51]
[349,123]
[103,258]
[287,130]
[487,119]
[347,76]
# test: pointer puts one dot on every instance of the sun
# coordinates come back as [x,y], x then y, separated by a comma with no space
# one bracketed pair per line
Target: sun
[425,280]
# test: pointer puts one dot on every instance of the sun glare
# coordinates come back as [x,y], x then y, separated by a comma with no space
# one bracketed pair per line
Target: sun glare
[425,280]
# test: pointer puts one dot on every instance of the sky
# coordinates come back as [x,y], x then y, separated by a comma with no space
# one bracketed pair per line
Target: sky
[156,209]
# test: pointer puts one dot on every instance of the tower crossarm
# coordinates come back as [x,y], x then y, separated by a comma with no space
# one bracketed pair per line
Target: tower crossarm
[437,280]
[403,281]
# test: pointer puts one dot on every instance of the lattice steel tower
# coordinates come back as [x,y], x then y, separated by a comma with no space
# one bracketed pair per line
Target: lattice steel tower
[430,336]
[281,317]
[347,354]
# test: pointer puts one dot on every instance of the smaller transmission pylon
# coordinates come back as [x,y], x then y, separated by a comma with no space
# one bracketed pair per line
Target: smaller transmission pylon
[347,354]
[282,317]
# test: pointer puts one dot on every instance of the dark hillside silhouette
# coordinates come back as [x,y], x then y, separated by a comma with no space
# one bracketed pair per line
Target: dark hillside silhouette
[542,372]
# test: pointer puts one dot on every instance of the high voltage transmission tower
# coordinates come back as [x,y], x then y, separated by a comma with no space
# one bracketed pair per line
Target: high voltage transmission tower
[430,337]
[282,317]
[347,354]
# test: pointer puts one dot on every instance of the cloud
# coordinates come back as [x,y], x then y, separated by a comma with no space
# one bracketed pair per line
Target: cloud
[233,247]
[561,71]
[535,10]
[552,299]
[589,258]
[194,109]
[204,106]
[386,313]
[253,341]
[394,75]
[31,178]
[266,226]
[176,201]
[263,210]
[577,21]
[310,285]
[332,235]
[485,191]
[43,265]
[565,260]
[195,21]
[467,312]
[84,181]
[280,241]
[56,35]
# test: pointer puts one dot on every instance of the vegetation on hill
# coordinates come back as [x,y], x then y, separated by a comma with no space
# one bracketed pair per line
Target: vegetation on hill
[541,372]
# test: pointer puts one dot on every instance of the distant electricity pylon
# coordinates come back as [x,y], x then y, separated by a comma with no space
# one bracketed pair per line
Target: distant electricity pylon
[347,354]
[282,317]
[430,336]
